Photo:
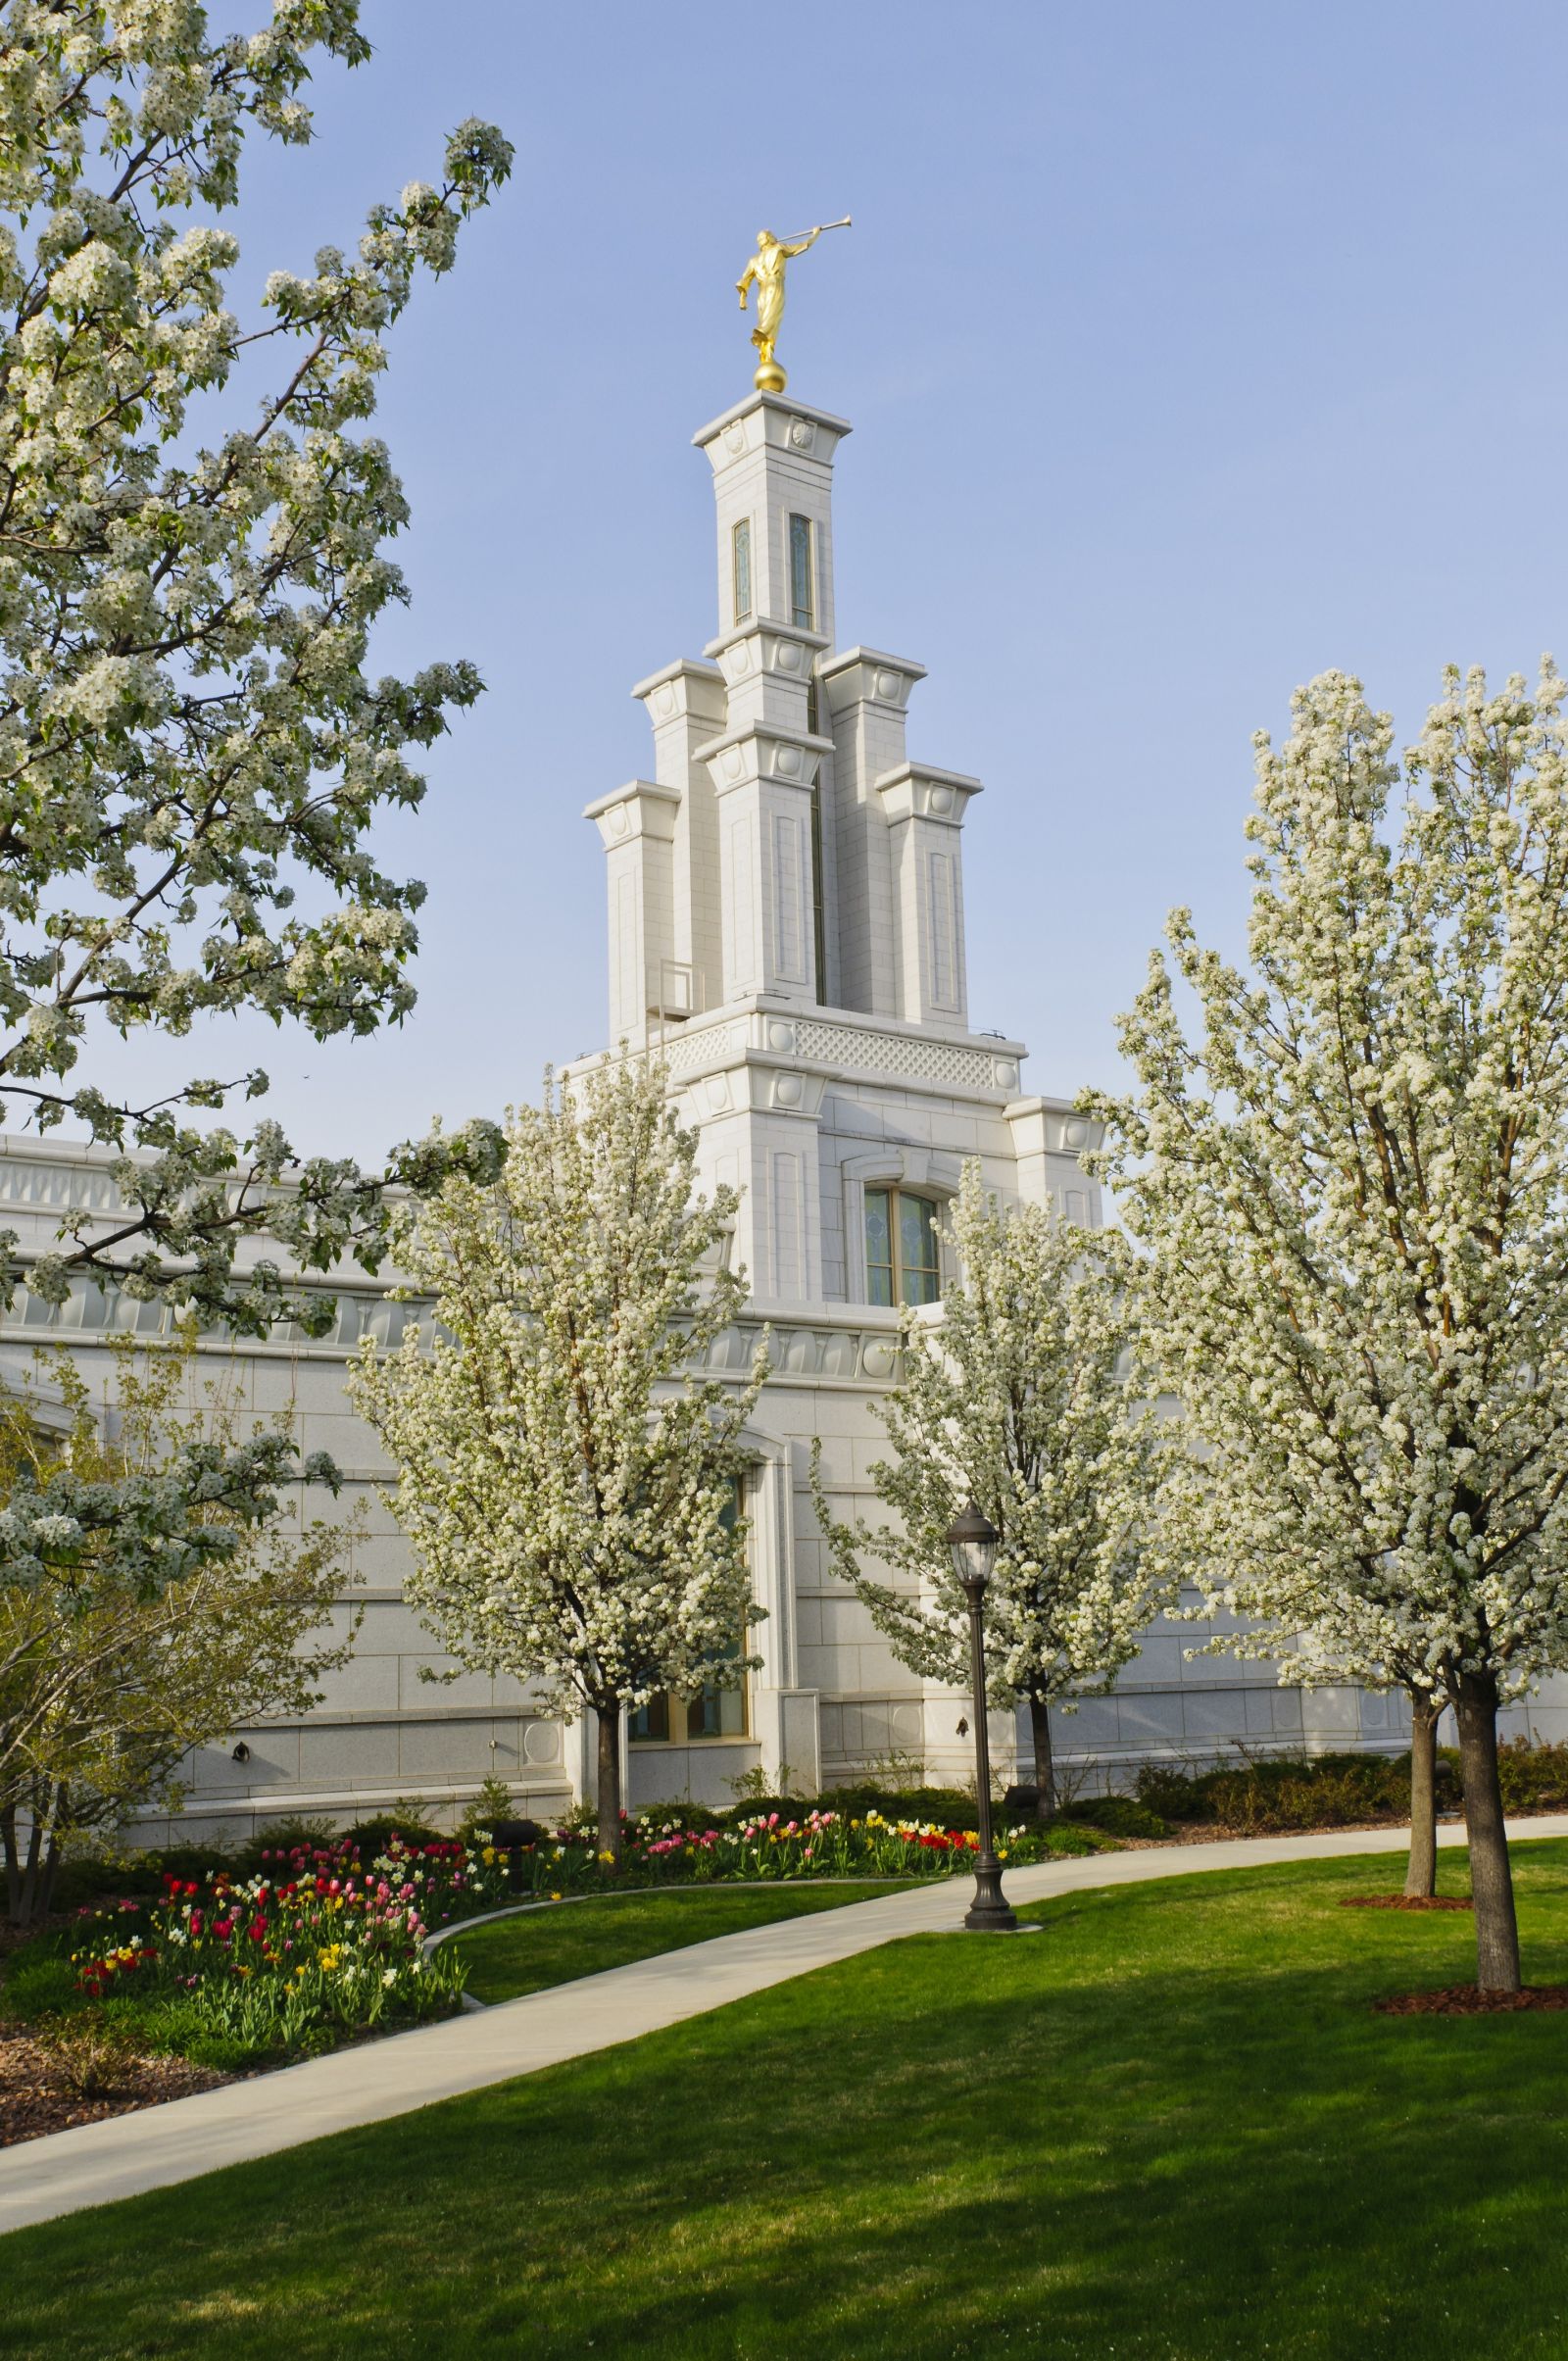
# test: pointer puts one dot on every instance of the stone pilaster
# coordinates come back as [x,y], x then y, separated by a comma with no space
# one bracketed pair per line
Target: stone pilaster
[763,783]
[1049,1137]
[767,674]
[685,704]
[866,696]
[924,810]
[761,1126]
[637,827]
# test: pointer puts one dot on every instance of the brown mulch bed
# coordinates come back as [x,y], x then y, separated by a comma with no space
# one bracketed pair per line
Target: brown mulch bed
[35,2094]
[1468,2000]
[1406,1901]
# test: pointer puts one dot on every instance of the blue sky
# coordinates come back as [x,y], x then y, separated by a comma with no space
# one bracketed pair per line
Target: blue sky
[1189,352]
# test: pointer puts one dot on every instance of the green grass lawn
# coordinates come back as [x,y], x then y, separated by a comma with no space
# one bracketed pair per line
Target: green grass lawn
[528,1953]
[1169,2127]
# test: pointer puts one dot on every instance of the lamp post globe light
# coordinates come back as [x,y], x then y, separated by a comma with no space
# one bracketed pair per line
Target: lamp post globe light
[972,1540]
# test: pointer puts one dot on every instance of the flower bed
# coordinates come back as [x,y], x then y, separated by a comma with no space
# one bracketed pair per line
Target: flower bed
[320,1943]
[771,1844]
[312,1948]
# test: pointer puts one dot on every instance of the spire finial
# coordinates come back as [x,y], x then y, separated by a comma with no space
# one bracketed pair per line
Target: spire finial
[766,268]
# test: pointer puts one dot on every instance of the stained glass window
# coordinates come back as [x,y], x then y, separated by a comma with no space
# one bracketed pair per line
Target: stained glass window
[650,1721]
[903,1264]
[879,1246]
[803,605]
[741,552]
[918,1250]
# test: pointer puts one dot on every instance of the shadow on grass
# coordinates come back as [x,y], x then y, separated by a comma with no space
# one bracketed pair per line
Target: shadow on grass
[1171,2126]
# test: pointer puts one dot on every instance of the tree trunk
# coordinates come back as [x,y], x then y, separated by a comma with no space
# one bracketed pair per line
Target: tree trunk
[1490,1875]
[608,1717]
[46,1882]
[1421,1877]
[1045,1766]
[30,1867]
[7,1837]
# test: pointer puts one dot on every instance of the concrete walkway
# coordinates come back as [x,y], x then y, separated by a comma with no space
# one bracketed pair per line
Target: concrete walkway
[98,2162]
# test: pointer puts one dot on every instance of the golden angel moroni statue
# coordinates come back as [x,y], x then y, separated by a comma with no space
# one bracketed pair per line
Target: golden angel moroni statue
[766,268]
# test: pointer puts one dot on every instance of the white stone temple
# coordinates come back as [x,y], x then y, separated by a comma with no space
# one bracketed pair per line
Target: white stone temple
[787,926]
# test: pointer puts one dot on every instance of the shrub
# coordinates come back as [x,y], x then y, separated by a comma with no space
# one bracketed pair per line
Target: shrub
[729,1813]
[1117,1815]
[952,1806]
[371,1838]
[493,1802]
[1279,1792]
[1065,1839]
[688,1818]
[1534,1777]
[91,2060]
[95,1877]
[1276,1792]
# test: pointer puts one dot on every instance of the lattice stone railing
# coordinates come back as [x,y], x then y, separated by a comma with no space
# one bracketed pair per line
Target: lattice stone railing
[867,1049]
[689,1047]
[895,1054]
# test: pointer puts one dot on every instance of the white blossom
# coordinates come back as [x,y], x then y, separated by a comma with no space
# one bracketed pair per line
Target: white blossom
[192,749]
[1352,1187]
[1020,1398]
[564,1476]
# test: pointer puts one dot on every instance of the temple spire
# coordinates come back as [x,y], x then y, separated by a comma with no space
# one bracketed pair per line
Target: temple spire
[786,848]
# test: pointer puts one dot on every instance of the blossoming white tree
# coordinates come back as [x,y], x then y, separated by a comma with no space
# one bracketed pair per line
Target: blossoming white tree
[564,1475]
[1352,1186]
[152,1594]
[1019,1398]
[189,739]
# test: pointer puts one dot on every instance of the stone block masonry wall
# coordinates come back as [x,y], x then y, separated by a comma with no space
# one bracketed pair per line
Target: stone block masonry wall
[831,1701]
[381,1731]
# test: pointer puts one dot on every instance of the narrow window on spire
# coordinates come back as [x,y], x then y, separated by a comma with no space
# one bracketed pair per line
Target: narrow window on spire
[818,907]
[803,605]
[741,559]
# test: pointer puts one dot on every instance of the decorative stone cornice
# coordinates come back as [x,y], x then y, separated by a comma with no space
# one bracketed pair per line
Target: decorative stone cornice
[865,676]
[751,1088]
[642,808]
[743,757]
[92,1314]
[846,1345]
[761,647]
[1060,1129]
[915,791]
[774,420]
[684,686]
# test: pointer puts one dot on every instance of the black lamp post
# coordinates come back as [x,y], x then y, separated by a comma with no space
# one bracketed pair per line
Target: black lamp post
[973,1539]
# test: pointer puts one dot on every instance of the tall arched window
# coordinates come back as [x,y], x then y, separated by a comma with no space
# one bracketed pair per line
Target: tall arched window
[901,1261]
